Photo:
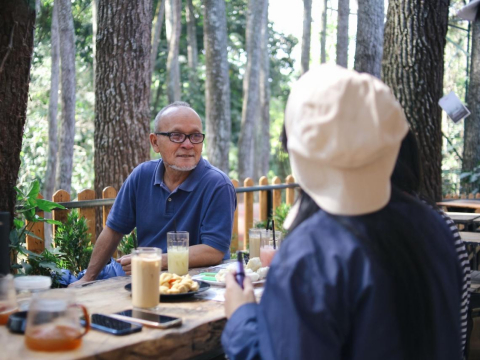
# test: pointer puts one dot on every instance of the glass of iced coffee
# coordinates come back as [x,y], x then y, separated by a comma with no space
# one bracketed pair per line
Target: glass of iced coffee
[177,249]
[254,239]
[8,301]
[146,267]
[269,246]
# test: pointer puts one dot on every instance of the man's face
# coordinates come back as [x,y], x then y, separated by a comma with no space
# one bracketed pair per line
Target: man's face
[180,156]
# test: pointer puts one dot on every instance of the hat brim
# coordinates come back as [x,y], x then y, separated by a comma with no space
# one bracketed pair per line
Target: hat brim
[469,12]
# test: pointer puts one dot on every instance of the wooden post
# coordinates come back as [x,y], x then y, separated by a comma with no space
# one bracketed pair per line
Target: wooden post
[470,196]
[88,213]
[448,196]
[248,203]
[477,196]
[234,242]
[277,194]
[290,193]
[455,196]
[59,215]
[38,229]
[262,200]
[108,193]
[463,196]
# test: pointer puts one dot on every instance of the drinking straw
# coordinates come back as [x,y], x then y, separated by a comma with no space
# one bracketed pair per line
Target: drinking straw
[273,229]
[175,226]
[268,224]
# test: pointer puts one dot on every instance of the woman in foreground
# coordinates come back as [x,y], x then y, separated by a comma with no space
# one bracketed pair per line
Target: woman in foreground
[366,272]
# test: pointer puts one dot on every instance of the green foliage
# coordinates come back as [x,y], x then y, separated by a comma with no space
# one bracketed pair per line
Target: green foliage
[73,239]
[471,180]
[281,213]
[128,243]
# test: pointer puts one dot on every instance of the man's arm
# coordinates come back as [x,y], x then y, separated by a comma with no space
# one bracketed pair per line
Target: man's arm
[105,246]
[203,255]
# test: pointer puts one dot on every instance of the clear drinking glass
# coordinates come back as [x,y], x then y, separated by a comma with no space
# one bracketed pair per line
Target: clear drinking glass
[254,236]
[53,323]
[8,299]
[146,267]
[268,248]
[177,249]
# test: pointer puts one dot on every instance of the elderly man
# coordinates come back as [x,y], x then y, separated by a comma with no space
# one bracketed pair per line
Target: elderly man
[180,191]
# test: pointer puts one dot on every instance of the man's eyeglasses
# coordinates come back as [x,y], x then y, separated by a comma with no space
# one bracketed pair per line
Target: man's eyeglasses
[176,137]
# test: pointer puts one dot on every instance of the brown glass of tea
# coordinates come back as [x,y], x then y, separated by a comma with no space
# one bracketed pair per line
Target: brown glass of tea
[8,300]
[53,322]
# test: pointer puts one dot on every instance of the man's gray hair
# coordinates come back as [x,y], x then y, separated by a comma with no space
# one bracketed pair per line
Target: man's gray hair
[161,112]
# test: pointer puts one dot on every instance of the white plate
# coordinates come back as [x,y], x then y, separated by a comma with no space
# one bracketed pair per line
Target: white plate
[222,284]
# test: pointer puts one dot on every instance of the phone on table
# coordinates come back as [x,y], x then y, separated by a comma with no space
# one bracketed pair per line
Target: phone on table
[112,325]
[148,318]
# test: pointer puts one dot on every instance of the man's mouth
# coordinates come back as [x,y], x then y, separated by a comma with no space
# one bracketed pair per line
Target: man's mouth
[185,156]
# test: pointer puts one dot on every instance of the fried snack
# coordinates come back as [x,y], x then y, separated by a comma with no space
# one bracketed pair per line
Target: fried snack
[174,284]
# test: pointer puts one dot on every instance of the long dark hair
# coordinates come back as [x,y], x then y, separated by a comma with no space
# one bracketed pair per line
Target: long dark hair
[403,256]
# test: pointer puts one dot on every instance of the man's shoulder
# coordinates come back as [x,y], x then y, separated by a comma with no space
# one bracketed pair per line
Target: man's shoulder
[213,174]
[146,168]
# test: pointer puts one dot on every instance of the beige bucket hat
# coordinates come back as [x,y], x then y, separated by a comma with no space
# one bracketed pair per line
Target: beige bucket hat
[469,11]
[344,131]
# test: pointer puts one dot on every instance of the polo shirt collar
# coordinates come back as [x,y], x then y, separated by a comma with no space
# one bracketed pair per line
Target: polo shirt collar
[189,184]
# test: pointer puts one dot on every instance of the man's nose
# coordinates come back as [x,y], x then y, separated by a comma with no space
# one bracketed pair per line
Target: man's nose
[187,144]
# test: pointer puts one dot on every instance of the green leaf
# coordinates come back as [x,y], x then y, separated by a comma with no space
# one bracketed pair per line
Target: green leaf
[29,233]
[18,224]
[30,253]
[48,206]
[54,222]
[34,190]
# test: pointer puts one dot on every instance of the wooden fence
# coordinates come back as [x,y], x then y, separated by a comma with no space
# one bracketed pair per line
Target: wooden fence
[463,196]
[88,212]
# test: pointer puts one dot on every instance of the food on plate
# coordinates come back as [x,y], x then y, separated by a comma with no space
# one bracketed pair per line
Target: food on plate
[253,270]
[254,264]
[174,284]
[262,272]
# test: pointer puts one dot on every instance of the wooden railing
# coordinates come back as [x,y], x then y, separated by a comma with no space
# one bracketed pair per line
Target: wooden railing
[463,196]
[87,203]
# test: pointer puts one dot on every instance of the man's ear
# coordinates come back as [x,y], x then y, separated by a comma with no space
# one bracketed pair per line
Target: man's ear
[154,142]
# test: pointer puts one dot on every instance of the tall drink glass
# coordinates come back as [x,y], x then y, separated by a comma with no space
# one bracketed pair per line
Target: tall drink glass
[254,239]
[267,247]
[8,301]
[146,267]
[177,249]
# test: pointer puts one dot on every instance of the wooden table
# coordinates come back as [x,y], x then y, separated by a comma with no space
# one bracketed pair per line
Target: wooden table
[470,221]
[198,337]
[462,204]
[470,237]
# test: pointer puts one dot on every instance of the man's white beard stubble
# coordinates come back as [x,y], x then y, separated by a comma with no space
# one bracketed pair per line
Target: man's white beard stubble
[178,168]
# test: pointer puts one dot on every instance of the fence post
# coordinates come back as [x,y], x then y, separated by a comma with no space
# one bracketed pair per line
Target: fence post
[38,229]
[234,242]
[477,196]
[262,200]
[277,194]
[59,215]
[88,212]
[248,203]
[290,193]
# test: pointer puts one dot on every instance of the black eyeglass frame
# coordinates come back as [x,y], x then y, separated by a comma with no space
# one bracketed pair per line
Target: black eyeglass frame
[169,134]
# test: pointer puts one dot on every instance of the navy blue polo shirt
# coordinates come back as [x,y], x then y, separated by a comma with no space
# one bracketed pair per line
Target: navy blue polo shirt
[203,205]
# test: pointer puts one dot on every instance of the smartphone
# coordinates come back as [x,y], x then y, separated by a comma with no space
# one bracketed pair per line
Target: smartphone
[148,318]
[111,325]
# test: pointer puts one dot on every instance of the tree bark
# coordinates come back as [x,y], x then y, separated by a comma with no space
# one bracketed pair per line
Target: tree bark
[17,25]
[67,57]
[262,144]
[191,37]
[342,32]
[323,37]
[306,37]
[122,90]
[369,46]
[94,36]
[414,45]
[251,103]
[157,31]
[471,147]
[217,87]
[173,26]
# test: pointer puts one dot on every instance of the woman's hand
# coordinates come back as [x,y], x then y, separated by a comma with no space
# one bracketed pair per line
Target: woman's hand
[235,296]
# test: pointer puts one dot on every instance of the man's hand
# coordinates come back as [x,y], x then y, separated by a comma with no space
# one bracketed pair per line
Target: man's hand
[126,262]
[235,296]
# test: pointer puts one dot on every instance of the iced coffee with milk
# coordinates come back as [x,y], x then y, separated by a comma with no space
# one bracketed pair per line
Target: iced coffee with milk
[177,249]
[146,267]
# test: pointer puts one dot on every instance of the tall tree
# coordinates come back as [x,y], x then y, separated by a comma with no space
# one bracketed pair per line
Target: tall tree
[217,87]
[323,35]
[49,184]
[471,148]
[191,37]
[415,37]
[369,46]
[173,24]
[262,144]
[342,32]
[159,16]
[17,25]
[306,37]
[67,59]
[122,90]
[250,109]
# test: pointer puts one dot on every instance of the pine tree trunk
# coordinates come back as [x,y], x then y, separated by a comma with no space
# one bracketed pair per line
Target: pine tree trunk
[191,37]
[173,26]
[122,90]
[17,25]
[369,46]
[157,31]
[307,31]
[217,87]
[413,67]
[251,101]
[67,57]
[94,35]
[342,32]
[262,145]
[323,36]
[471,148]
